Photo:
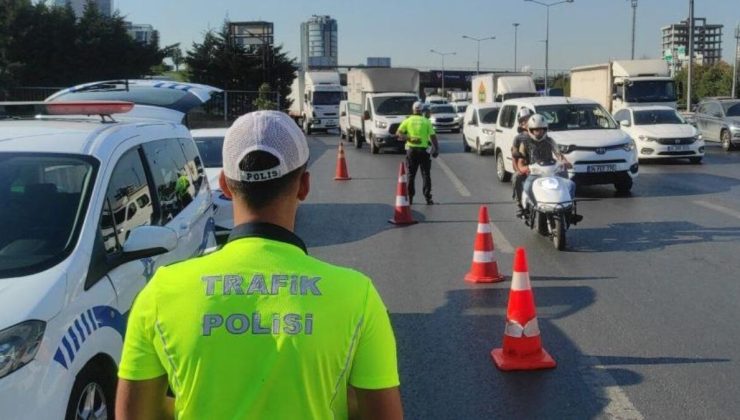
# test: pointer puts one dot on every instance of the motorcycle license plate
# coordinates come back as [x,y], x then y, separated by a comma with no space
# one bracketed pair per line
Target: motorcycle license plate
[677,148]
[601,168]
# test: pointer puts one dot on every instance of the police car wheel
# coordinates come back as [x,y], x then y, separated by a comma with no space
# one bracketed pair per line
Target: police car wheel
[93,394]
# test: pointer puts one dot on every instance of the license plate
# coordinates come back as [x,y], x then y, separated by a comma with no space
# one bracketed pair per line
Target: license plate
[677,148]
[601,168]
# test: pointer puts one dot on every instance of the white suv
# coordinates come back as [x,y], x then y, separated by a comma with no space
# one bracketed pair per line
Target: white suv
[89,208]
[586,134]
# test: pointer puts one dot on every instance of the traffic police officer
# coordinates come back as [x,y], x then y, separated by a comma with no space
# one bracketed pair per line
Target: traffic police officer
[259,329]
[418,132]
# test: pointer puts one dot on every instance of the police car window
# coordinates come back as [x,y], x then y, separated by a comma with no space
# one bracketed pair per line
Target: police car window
[210,149]
[127,203]
[194,163]
[43,199]
[171,177]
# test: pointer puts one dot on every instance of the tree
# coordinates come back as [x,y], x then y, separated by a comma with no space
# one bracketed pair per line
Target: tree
[176,56]
[709,80]
[264,100]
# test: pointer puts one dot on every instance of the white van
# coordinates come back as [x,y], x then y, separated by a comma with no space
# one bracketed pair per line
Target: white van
[479,129]
[90,207]
[586,134]
[343,118]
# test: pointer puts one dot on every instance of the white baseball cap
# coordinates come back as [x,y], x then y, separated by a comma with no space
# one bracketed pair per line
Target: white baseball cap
[272,132]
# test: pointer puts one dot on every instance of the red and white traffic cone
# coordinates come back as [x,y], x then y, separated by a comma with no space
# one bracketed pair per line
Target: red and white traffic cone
[522,349]
[402,212]
[484,268]
[341,172]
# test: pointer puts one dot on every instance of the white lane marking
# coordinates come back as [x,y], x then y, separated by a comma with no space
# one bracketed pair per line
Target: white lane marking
[453,178]
[717,207]
[499,241]
[597,377]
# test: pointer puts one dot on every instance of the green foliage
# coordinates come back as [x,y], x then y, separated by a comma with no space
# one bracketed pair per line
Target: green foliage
[42,45]
[264,100]
[216,62]
[714,80]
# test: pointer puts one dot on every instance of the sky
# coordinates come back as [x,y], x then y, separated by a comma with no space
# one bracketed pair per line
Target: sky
[582,32]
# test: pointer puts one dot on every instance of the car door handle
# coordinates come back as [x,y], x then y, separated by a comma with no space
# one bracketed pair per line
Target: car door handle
[498,130]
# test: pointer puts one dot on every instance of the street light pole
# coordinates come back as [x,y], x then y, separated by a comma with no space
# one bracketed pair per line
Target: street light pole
[478,40]
[690,27]
[547,36]
[734,66]
[634,25]
[442,54]
[516,27]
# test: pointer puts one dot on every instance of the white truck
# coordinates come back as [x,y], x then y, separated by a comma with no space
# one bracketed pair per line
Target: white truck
[316,96]
[624,83]
[498,87]
[379,99]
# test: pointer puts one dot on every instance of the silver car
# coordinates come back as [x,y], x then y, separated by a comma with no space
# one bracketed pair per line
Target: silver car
[444,117]
[718,119]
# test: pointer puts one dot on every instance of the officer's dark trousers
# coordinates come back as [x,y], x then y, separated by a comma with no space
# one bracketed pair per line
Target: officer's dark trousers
[518,185]
[416,157]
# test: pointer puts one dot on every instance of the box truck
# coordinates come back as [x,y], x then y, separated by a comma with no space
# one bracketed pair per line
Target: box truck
[498,87]
[316,96]
[379,99]
[623,83]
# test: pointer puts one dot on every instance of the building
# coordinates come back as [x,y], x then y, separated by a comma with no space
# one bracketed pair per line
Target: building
[252,35]
[707,42]
[319,42]
[105,6]
[141,33]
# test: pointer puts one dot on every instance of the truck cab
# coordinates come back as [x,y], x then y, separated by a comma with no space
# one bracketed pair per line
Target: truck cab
[380,117]
[315,97]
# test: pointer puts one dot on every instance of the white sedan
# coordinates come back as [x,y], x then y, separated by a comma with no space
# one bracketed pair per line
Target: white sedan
[661,133]
[210,142]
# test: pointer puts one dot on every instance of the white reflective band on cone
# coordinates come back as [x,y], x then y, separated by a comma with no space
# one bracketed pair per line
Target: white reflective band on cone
[402,201]
[483,256]
[514,329]
[520,281]
[403,178]
[484,228]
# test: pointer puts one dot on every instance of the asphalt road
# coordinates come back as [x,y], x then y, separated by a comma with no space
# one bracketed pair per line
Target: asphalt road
[640,311]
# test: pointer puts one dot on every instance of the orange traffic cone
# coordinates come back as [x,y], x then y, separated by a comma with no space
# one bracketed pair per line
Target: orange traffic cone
[522,348]
[341,172]
[402,213]
[484,268]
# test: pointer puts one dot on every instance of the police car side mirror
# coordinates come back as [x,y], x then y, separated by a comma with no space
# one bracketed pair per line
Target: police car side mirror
[148,241]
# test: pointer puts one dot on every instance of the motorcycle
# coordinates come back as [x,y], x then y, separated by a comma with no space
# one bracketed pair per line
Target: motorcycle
[549,205]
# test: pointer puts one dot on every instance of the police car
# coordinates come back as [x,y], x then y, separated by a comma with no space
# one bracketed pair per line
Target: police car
[91,203]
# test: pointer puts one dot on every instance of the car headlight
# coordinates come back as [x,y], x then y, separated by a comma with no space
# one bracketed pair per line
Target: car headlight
[487,131]
[381,124]
[566,148]
[648,139]
[19,344]
[628,147]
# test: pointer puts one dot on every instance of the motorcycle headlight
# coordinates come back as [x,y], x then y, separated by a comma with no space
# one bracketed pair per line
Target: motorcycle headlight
[628,147]
[381,124]
[648,139]
[566,148]
[19,344]
[487,131]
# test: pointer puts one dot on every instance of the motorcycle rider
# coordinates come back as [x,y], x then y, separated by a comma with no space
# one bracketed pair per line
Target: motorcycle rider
[539,147]
[519,175]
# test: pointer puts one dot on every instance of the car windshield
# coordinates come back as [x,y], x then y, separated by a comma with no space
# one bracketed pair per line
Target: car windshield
[657,116]
[326,98]
[210,149]
[488,115]
[394,105]
[732,109]
[444,109]
[43,198]
[651,91]
[576,117]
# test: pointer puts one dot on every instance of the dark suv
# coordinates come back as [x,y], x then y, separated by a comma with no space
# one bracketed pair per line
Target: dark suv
[718,119]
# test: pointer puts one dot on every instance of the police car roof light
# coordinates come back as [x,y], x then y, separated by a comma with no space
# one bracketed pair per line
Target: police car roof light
[33,109]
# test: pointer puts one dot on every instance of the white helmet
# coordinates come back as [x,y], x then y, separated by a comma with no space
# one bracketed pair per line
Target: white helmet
[523,114]
[417,107]
[537,121]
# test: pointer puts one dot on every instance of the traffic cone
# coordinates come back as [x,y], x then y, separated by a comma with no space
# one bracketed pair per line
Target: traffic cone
[522,349]
[484,268]
[402,212]
[341,172]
